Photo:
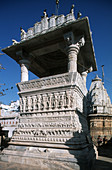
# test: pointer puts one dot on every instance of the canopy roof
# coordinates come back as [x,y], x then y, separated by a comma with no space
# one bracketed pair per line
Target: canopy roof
[46,50]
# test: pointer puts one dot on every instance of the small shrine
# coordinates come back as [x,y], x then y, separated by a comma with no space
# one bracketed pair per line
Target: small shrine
[99,110]
[52,132]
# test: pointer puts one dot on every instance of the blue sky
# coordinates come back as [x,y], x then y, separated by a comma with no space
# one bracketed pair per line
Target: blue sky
[24,13]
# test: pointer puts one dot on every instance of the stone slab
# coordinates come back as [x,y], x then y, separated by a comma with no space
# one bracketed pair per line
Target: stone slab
[52,159]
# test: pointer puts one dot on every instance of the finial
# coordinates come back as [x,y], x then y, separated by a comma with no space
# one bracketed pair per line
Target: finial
[23,33]
[72,9]
[96,76]
[57,6]
[79,15]
[57,2]
[21,28]
[45,13]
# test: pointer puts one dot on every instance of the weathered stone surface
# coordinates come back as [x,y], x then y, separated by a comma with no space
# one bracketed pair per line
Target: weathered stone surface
[52,127]
[48,158]
[51,112]
[52,132]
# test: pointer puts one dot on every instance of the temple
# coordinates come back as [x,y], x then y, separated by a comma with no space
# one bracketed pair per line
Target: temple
[99,110]
[52,131]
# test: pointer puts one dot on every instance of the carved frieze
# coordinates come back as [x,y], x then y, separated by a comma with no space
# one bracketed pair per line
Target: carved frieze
[47,125]
[53,127]
[48,118]
[43,139]
[45,82]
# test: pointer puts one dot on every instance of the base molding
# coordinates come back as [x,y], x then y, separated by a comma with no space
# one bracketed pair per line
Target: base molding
[49,158]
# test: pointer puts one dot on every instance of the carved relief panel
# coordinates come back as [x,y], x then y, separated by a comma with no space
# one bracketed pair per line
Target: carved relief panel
[49,101]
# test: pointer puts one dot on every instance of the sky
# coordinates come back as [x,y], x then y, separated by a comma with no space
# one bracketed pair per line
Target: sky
[25,13]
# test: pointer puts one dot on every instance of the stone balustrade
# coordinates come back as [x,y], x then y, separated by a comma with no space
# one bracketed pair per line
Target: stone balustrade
[49,101]
[47,24]
[52,93]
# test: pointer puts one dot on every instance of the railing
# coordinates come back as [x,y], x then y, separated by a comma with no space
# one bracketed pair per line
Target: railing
[46,24]
[60,92]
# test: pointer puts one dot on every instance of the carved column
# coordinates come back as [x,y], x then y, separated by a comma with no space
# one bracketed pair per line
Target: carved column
[21,104]
[65,100]
[56,100]
[45,101]
[24,69]
[29,103]
[34,103]
[63,93]
[50,101]
[24,104]
[39,102]
[73,48]
[68,99]
[72,57]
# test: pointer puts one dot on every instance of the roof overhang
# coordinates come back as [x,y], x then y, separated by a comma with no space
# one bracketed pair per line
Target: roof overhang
[46,51]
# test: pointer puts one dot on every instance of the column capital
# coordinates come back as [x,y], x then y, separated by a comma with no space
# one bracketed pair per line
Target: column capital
[70,39]
[25,62]
[73,45]
[84,76]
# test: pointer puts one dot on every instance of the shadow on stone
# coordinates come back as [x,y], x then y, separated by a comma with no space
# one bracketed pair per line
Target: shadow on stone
[81,145]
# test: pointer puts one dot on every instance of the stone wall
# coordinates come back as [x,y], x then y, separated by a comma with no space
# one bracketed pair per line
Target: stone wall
[51,110]
[100,125]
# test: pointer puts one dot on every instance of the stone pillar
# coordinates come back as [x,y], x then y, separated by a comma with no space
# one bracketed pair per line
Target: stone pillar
[72,58]
[73,48]
[24,69]
[84,76]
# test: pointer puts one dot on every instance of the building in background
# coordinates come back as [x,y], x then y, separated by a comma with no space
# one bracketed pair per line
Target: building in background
[9,117]
[99,110]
